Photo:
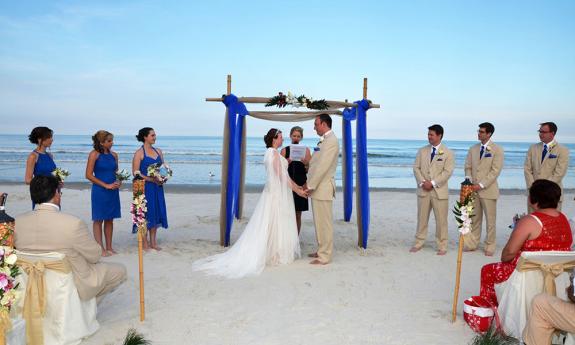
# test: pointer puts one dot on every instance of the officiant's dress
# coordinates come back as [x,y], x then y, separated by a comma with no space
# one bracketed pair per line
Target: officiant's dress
[270,237]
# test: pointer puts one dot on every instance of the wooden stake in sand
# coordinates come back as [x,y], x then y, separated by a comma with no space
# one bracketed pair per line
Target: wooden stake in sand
[138,186]
[465,198]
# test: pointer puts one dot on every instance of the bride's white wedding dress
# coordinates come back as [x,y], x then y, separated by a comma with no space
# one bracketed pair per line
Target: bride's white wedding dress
[270,237]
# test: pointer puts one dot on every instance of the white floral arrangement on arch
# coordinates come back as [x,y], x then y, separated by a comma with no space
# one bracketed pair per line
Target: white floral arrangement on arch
[281,100]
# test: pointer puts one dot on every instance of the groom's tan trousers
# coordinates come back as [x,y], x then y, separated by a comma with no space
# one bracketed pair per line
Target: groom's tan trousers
[323,221]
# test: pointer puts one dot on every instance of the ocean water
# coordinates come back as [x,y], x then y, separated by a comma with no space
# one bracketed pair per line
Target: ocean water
[197,160]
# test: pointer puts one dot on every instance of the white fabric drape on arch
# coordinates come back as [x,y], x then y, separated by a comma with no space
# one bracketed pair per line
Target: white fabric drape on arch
[270,237]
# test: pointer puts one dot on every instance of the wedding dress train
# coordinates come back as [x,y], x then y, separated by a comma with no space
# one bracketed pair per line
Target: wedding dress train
[270,237]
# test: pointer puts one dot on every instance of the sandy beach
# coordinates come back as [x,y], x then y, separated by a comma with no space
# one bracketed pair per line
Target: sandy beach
[384,295]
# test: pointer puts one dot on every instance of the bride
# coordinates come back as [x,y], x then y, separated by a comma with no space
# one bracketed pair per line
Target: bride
[270,237]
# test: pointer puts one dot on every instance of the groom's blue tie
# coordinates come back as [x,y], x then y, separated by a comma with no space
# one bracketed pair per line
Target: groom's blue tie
[481,152]
[544,153]
[432,155]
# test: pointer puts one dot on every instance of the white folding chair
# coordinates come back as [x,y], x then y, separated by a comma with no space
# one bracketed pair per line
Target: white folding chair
[67,318]
[515,294]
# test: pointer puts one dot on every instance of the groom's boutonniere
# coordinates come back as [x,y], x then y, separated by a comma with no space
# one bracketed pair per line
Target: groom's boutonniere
[550,146]
[488,148]
[440,152]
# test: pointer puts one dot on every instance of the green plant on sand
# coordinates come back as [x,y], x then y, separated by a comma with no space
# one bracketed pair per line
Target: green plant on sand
[493,337]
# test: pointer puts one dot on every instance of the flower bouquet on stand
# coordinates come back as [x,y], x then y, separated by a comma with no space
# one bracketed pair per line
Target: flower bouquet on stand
[138,210]
[8,289]
[463,211]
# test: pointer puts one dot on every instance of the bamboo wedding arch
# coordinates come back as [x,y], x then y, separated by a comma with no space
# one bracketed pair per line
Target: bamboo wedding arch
[234,155]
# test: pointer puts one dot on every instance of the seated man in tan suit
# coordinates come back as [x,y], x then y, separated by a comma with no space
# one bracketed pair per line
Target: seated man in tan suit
[549,313]
[46,229]
[433,166]
[482,166]
[546,160]
[321,187]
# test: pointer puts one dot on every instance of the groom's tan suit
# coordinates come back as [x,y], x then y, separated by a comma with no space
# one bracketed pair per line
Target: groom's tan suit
[553,168]
[46,229]
[439,171]
[322,183]
[484,171]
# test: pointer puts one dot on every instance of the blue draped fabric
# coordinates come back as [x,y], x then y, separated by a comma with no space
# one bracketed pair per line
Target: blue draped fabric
[236,113]
[363,180]
[349,114]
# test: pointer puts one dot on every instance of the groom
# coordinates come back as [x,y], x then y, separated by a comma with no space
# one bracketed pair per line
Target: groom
[321,188]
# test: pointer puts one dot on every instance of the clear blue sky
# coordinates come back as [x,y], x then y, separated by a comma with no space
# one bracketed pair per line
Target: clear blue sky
[121,65]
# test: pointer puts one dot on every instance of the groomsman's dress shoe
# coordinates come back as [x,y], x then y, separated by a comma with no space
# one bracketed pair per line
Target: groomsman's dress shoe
[317,262]
[312,255]
[441,252]
[414,249]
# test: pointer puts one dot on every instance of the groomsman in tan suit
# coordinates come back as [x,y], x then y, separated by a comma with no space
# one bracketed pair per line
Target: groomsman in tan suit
[433,166]
[482,166]
[321,188]
[46,229]
[546,160]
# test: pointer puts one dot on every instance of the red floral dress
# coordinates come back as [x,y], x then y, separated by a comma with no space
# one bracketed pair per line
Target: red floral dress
[555,235]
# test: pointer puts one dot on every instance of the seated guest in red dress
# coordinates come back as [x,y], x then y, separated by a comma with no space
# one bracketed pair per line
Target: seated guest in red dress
[544,229]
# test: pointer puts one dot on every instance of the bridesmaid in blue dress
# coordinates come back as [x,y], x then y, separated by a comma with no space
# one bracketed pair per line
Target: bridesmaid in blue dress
[101,171]
[40,162]
[156,204]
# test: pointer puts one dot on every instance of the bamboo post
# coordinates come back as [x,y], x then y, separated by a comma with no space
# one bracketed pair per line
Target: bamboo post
[138,187]
[457,279]
[226,143]
[243,170]
[463,194]
[364,88]
[141,234]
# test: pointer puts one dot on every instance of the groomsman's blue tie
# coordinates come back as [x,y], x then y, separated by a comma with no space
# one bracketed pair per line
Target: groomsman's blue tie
[432,155]
[481,152]
[544,153]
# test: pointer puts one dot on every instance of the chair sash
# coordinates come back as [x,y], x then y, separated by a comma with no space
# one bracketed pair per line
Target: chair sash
[550,271]
[35,300]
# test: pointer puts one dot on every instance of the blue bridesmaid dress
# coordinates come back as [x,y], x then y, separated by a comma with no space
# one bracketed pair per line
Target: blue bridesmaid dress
[156,215]
[44,166]
[105,203]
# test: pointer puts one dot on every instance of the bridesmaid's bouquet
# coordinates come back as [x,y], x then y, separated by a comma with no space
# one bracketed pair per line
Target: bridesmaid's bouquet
[160,171]
[61,174]
[122,175]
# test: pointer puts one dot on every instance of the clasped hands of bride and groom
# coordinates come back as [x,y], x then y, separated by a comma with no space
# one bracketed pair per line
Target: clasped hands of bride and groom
[271,235]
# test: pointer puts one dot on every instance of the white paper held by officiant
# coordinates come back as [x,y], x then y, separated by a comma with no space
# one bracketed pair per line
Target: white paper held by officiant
[297,152]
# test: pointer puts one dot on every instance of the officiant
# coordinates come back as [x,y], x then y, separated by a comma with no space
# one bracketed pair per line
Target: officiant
[298,157]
